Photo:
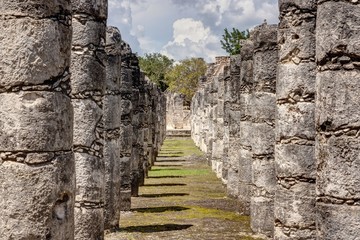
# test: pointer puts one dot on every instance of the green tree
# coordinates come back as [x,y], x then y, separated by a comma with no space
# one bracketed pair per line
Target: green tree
[155,66]
[231,40]
[184,77]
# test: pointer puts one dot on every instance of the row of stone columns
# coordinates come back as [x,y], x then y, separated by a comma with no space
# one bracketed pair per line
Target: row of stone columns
[80,126]
[290,122]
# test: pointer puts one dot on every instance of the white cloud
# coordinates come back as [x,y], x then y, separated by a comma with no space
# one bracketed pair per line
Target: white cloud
[169,26]
[191,39]
[189,28]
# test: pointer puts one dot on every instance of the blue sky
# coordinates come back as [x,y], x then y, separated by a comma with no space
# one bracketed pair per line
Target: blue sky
[186,28]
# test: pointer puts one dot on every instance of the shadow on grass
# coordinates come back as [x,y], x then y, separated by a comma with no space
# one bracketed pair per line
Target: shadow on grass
[160,209]
[165,185]
[156,228]
[167,177]
[158,195]
[170,156]
[164,169]
[157,165]
[169,160]
[164,152]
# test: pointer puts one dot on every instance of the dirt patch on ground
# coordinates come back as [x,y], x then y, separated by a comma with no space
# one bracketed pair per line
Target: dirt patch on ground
[182,199]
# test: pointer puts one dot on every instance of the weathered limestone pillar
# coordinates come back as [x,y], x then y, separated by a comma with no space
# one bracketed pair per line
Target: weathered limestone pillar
[129,125]
[196,117]
[131,71]
[155,113]
[113,128]
[295,124]
[218,164]
[208,122]
[36,161]
[143,129]
[162,133]
[242,125]
[232,130]
[126,134]
[263,108]
[87,89]
[149,132]
[338,120]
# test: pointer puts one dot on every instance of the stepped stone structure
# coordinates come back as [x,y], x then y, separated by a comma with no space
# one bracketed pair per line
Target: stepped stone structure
[37,176]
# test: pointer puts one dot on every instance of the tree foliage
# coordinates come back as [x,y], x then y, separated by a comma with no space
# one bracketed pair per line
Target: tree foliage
[156,66]
[184,77]
[231,40]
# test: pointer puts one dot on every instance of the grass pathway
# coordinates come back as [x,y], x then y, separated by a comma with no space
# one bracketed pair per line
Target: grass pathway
[182,199]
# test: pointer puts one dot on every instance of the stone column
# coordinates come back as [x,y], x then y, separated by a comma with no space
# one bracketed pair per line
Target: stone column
[295,124]
[219,165]
[113,128]
[131,71]
[263,108]
[126,134]
[232,121]
[36,161]
[338,120]
[213,96]
[143,125]
[87,85]
[155,114]
[242,125]
[149,133]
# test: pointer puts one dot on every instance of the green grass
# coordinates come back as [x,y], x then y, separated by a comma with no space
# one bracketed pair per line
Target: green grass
[182,193]
[160,171]
[179,148]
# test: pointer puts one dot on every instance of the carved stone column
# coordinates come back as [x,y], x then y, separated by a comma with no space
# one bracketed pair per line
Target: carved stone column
[263,108]
[36,161]
[338,119]
[87,85]
[113,128]
[295,123]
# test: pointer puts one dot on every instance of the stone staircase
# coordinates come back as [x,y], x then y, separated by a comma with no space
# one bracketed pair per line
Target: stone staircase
[171,133]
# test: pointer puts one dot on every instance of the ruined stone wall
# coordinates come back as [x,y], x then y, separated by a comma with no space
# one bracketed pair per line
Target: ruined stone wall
[37,176]
[178,114]
[290,124]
